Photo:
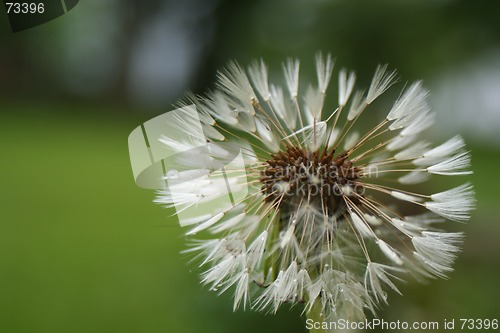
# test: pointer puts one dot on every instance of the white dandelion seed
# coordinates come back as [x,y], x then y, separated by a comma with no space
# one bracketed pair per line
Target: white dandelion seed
[346,84]
[455,165]
[307,207]
[435,155]
[381,81]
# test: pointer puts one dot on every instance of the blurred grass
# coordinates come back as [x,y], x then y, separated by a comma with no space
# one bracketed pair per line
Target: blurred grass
[83,249]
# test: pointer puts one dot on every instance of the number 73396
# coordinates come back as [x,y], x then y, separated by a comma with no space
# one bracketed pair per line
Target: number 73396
[478,324]
[25,7]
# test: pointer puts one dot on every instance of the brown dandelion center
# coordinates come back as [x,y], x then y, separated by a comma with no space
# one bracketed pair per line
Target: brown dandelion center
[296,174]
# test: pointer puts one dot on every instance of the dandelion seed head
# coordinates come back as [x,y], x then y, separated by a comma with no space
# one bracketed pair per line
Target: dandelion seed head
[315,178]
[306,209]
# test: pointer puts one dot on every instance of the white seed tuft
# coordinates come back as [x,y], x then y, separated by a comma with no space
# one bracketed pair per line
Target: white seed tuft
[358,104]
[346,85]
[313,103]
[437,250]
[235,84]
[436,155]
[258,74]
[291,70]
[382,80]
[453,166]
[376,275]
[324,71]
[412,101]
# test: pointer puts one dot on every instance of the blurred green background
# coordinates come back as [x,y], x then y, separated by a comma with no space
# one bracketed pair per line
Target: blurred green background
[83,249]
